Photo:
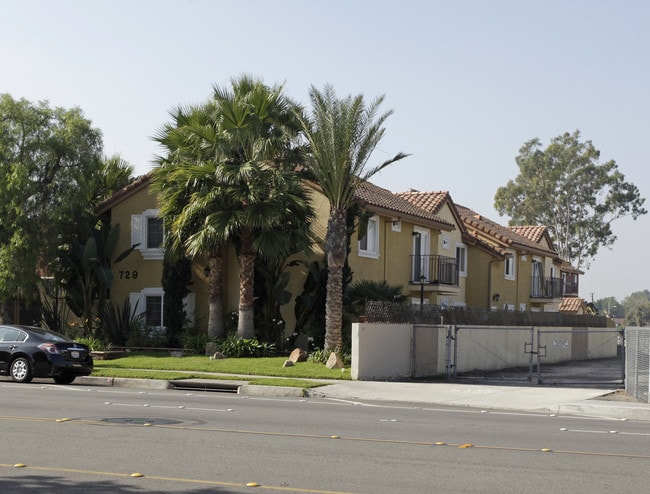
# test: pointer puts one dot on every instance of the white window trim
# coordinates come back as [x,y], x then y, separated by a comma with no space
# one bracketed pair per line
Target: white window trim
[464,247]
[139,235]
[373,243]
[141,299]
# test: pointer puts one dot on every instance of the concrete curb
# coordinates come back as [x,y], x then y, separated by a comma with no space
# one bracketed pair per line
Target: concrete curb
[256,390]
[123,382]
[607,409]
[241,387]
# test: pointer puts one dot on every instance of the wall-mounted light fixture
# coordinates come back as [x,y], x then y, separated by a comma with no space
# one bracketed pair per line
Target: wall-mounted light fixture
[496,297]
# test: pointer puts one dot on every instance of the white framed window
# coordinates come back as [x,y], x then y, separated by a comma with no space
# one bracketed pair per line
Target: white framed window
[510,266]
[461,259]
[150,304]
[369,244]
[147,230]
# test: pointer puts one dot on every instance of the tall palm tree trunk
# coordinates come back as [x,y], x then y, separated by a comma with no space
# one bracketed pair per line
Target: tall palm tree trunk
[246,322]
[336,249]
[216,328]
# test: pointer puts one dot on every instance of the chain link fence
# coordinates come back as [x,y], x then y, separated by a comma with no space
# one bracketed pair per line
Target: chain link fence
[637,362]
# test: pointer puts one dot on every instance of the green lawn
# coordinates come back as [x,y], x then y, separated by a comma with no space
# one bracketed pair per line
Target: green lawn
[264,371]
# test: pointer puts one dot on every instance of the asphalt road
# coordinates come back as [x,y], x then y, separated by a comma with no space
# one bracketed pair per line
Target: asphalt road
[80,439]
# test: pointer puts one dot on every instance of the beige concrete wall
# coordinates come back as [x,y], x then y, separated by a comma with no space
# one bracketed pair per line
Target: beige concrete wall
[381,351]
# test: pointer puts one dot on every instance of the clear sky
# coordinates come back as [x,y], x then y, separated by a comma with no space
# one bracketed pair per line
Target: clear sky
[469,81]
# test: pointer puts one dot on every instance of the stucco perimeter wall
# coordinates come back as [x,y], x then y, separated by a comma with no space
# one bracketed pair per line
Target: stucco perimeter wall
[565,344]
[381,351]
[399,351]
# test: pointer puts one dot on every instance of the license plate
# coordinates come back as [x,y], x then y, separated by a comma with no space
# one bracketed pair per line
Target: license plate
[74,354]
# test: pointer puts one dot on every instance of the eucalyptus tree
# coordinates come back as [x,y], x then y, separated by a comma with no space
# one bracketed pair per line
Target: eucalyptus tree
[342,135]
[566,188]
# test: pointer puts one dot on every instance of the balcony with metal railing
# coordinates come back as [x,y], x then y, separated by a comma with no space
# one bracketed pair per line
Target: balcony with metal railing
[546,287]
[434,270]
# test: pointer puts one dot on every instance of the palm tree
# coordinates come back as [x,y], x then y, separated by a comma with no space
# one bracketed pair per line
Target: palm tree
[342,135]
[270,211]
[229,179]
[188,195]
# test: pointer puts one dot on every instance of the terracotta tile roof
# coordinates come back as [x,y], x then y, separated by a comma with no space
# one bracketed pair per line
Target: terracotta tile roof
[573,305]
[371,195]
[434,201]
[429,201]
[139,183]
[534,233]
[506,236]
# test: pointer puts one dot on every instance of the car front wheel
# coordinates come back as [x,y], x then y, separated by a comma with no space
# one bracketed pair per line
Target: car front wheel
[21,370]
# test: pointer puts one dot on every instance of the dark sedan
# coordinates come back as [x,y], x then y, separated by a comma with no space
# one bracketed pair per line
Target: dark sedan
[27,352]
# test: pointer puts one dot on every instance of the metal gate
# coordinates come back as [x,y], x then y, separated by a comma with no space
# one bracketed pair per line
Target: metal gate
[577,356]
[493,353]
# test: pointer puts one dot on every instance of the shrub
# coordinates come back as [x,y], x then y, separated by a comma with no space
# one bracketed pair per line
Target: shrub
[193,340]
[321,356]
[243,347]
[145,336]
[117,321]
[95,344]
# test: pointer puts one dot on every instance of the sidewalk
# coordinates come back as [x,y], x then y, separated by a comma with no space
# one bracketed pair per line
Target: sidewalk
[531,399]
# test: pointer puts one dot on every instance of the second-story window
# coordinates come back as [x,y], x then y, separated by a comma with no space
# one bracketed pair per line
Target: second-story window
[147,230]
[369,244]
[510,266]
[154,232]
[461,259]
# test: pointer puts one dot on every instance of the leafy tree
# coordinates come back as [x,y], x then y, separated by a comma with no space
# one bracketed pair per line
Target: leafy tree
[342,135]
[637,308]
[48,158]
[565,188]
[610,306]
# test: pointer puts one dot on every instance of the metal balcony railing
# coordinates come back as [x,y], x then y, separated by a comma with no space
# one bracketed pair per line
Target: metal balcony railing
[434,270]
[546,287]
